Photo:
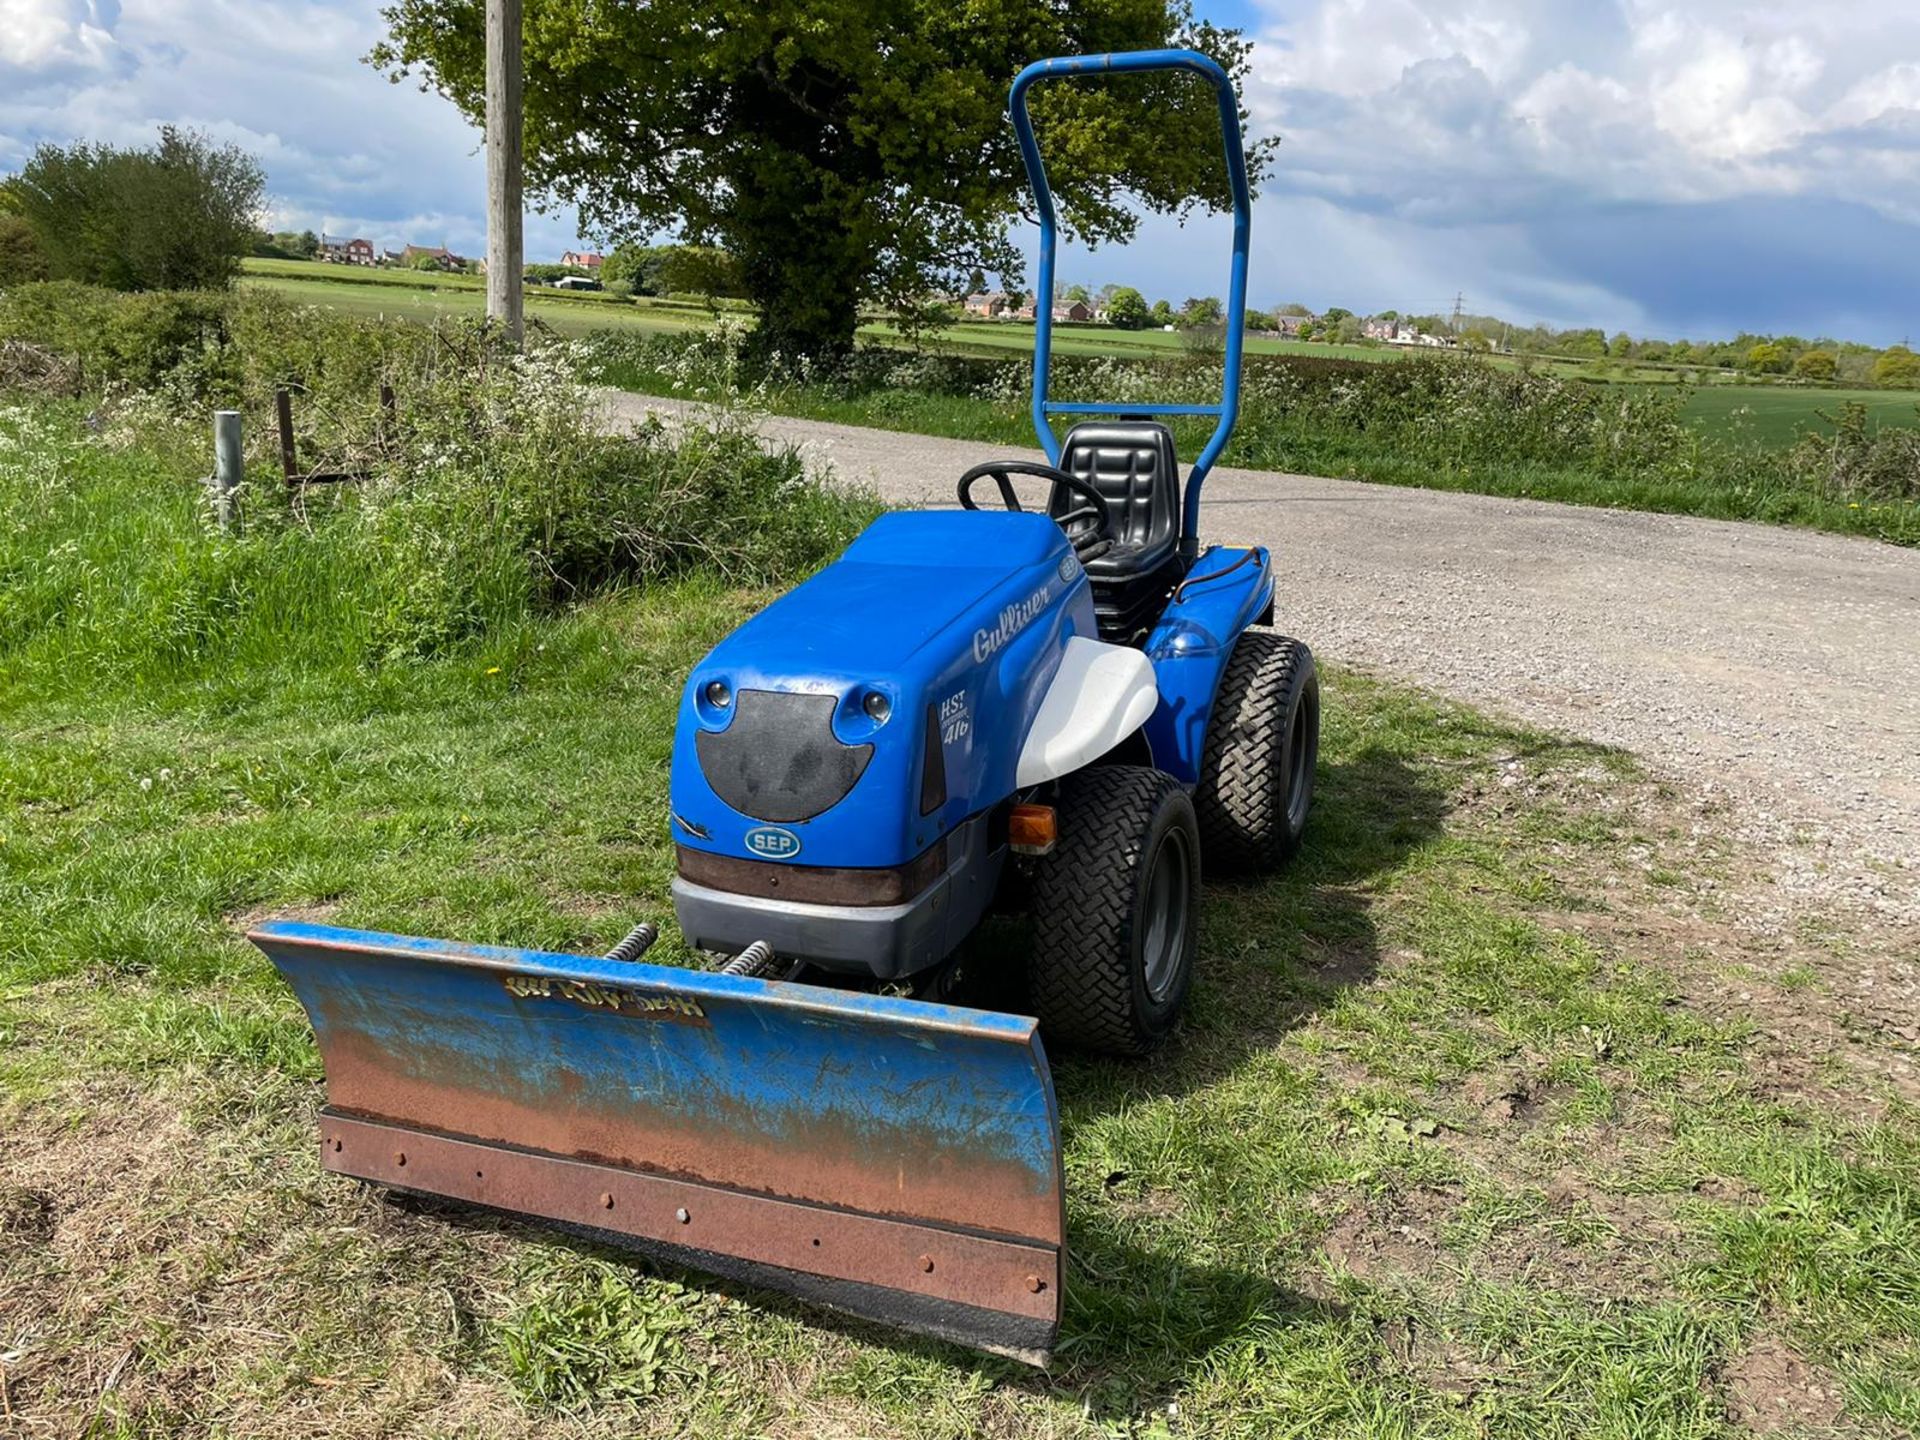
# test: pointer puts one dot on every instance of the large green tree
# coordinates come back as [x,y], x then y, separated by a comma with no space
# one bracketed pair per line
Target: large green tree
[1897,365]
[699,270]
[1816,365]
[1127,308]
[178,216]
[843,151]
[1201,311]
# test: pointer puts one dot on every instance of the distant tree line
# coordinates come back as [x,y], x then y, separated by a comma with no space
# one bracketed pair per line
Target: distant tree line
[628,270]
[1820,360]
[674,270]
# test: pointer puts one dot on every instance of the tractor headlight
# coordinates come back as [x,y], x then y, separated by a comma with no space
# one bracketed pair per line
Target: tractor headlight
[877,706]
[718,695]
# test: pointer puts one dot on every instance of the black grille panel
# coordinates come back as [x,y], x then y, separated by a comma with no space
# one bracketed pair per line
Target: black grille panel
[779,760]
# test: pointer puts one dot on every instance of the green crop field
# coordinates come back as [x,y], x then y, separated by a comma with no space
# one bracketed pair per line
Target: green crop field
[1776,414]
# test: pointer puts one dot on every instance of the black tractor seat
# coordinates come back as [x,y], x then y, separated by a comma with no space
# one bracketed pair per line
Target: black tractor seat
[1131,463]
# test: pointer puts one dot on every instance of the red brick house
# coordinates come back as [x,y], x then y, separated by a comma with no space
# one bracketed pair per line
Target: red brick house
[346,252]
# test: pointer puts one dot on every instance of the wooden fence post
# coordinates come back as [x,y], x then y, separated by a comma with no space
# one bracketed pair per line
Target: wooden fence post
[283,417]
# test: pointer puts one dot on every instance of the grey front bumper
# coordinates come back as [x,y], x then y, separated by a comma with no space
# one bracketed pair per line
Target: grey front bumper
[886,941]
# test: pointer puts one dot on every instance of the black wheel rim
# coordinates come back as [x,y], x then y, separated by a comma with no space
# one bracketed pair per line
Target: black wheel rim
[1169,900]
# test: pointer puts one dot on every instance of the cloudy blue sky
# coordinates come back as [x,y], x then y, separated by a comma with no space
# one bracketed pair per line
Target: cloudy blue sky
[1664,167]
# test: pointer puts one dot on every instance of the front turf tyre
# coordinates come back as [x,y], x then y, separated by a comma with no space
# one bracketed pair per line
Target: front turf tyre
[1116,911]
[1256,774]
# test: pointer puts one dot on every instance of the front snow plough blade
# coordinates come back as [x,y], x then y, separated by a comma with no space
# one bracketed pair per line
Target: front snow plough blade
[892,1158]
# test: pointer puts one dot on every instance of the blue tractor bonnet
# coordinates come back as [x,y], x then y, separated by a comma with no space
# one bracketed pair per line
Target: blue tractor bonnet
[863,686]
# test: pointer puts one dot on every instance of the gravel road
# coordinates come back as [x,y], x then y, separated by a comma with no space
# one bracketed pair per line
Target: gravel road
[1778,667]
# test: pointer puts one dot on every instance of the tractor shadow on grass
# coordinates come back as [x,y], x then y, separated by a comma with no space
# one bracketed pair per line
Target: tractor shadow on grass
[1274,950]
[1138,1322]
[1142,1311]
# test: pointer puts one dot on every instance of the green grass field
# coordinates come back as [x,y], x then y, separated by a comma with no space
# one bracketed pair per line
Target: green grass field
[363,275]
[429,295]
[1778,414]
[1466,1134]
[414,302]
[995,336]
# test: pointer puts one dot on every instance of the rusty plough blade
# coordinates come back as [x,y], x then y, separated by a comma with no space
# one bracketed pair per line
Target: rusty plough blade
[892,1158]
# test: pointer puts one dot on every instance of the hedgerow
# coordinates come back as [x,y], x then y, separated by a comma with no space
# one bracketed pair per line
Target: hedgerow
[1448,422]
[491,492]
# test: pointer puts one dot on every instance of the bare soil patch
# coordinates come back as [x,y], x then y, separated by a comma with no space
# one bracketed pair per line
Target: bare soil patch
[1772,1390]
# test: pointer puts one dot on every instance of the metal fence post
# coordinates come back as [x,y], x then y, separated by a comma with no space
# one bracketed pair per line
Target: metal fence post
[228,466]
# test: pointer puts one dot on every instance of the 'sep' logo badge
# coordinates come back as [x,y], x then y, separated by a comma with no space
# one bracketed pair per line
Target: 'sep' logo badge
[770,842]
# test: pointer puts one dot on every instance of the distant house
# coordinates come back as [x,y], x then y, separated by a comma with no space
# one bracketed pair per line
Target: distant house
[1078,310]
[1288,326]
[989,304]
[441,257]
[1398,332]
[1023,308]
[1403,332]
[345,252]
[584,259]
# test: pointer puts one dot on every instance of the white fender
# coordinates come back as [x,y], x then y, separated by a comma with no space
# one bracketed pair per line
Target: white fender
[1100,695]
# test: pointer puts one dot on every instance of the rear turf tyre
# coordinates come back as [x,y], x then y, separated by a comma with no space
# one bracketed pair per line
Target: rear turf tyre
[1116,911]
[1256,775]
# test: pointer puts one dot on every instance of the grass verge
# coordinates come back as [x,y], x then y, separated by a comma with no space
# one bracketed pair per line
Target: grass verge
[1497,1115]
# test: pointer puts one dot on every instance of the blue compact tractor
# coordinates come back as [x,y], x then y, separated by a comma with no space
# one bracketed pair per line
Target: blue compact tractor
[1063,711]
[1068,710]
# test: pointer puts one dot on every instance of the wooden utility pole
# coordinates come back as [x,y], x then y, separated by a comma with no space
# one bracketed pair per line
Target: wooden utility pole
[504,253]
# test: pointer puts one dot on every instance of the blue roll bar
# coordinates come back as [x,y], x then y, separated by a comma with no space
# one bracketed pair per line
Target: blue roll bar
[1229,407]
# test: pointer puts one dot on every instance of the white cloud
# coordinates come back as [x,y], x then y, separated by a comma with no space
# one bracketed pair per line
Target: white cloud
[42,35]
[1896,88]
[1471,114]
[1615,100]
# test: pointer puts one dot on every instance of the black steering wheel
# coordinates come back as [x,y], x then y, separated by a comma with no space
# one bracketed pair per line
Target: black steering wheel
[1088,525]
